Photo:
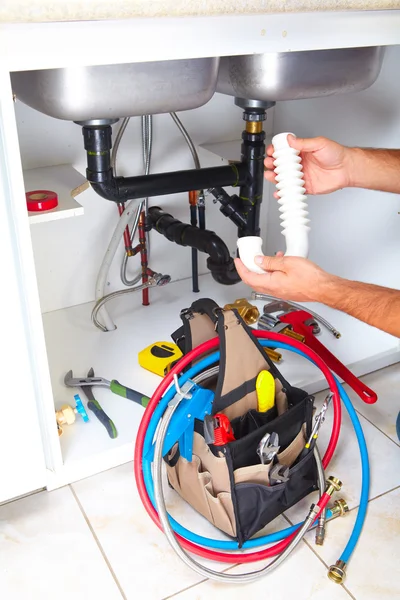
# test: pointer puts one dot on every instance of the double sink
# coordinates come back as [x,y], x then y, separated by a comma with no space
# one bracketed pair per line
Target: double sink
[114,91]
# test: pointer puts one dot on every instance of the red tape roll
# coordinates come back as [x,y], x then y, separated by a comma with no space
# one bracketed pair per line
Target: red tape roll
[40,200]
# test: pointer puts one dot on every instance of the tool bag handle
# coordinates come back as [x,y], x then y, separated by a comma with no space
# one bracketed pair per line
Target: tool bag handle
[241,360]
[198,325]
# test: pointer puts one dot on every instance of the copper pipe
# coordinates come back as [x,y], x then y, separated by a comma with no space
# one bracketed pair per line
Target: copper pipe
[127,235]
[193,194]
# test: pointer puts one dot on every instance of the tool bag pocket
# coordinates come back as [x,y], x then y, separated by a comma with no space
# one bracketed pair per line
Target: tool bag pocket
[257,504]
[204,482]
[227,483]
[258,500]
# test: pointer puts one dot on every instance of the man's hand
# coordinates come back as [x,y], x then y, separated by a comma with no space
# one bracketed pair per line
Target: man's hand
[327,166]
[287,277]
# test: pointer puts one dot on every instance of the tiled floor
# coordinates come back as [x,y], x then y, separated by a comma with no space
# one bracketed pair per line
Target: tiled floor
[93,540]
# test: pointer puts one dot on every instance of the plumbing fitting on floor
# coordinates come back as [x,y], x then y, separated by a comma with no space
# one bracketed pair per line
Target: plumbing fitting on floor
[66,415]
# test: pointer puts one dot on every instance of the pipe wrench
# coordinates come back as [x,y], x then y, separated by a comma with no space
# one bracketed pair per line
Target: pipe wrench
[304,323]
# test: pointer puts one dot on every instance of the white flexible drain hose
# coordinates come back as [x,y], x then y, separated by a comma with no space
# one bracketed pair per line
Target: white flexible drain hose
[293,206]
[292,196]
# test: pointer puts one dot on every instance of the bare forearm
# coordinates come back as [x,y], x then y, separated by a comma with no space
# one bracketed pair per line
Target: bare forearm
[375,305]
[375,169]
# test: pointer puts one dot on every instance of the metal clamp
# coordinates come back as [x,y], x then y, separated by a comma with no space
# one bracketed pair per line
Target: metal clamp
[181,392]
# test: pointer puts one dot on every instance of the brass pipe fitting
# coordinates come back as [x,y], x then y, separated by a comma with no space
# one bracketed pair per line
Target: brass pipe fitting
[249,313]
[333,485]
[339,508]
[273,355]
[337,572]
[292,334]
[320,535]
[254,126]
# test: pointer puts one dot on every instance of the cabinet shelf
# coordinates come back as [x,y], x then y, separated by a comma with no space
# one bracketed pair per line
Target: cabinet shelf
[62,179]
[74,343]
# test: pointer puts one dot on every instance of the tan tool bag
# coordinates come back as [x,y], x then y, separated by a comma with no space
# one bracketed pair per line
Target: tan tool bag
[228,484]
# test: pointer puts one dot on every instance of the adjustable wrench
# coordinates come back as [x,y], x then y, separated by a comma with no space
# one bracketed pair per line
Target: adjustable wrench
[278,474]
[301,321]
[268,448]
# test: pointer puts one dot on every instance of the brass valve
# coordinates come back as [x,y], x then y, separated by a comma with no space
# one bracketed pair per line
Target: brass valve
[66,415]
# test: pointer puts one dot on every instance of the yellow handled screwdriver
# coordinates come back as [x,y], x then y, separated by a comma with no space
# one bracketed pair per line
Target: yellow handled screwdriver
[265,388]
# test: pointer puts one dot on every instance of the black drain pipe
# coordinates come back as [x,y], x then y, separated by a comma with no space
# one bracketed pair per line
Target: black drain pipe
[220,263]
[97,139]
[253,154]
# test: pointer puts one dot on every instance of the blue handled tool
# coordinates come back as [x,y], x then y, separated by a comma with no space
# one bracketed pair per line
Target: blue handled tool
[196,403]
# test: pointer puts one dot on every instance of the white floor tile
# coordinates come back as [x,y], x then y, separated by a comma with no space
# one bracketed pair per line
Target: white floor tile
[139,553]
[302,577]
[47,551]
[383,414]
[373,572]
[384,457]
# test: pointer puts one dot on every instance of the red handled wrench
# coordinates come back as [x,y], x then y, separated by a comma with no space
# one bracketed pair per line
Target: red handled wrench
[302,322]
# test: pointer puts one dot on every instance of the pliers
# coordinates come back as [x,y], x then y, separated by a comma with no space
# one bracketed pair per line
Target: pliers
[95,407]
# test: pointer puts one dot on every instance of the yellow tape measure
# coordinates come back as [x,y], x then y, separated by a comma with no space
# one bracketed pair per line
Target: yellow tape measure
[159,357]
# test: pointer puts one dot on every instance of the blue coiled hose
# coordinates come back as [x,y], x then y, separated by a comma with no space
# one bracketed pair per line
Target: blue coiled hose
[279,535]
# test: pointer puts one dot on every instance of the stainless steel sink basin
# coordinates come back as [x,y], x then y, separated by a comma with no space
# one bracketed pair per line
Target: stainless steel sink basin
[112,91]
[295,75]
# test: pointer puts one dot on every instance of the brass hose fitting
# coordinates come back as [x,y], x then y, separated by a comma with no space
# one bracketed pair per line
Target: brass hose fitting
[249,313]
[337,572]
[339,508]
[333,485]
[273,355]
[320,535]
